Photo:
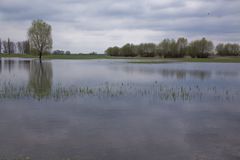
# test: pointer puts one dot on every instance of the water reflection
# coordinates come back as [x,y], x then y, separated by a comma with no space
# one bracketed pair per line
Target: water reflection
[0,65]
[182,74]
[37,78]
[9,65]
[25,65]
[227,74]
[40,78]
[166,73]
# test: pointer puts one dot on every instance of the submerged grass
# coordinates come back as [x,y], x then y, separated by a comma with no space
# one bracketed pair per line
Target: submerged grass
[155,91]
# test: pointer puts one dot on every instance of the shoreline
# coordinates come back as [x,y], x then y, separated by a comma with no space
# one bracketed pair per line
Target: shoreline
[136,60]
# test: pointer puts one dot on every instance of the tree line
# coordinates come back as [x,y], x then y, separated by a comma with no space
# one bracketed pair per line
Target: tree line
[171,48]
[39,41]
[10,47]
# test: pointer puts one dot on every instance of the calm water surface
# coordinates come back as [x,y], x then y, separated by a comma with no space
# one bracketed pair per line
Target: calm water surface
[114,110]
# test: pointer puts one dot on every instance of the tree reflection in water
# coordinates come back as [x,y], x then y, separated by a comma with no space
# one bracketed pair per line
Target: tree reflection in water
[40,79]
[0,65]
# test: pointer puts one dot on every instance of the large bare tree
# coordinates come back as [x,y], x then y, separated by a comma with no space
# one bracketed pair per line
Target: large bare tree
[20,47]
[9,47]
[40,37]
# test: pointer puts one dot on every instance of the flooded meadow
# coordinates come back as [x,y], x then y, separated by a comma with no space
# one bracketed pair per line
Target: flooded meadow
[112,109]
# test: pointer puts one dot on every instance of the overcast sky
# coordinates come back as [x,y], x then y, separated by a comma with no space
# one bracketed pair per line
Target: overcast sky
[94,25]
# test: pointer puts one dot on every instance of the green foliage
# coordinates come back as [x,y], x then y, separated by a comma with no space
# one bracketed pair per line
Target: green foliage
[182,47]
[113,51]
[146,49]
[40,37]
[168,48]
[128,50]
[201,48]
[228,49]
[67,52]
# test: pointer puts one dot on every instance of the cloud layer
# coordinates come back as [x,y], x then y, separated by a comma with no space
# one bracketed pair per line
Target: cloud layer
[94,25]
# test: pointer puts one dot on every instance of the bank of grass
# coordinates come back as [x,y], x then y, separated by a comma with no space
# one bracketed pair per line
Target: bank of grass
[200,60]
[213,59]
[17,56]
[139,60]
[70,56]
[149,61]
[77,56]
[52,56]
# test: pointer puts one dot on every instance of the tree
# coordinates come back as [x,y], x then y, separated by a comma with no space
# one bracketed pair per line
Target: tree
[20,47]
[0,46]
[23,47]
[146,49]
[168,48]
[5,46]
[108,51]
[68,52]
[113,51]
[220,49]
[201,48]
[9,46]
[158,50]
[206,47]
[58,52]
[182,44]
[40,37]
[164,47]
[128,50]
[235,49]
[12,47]
[26,47]
[228,49]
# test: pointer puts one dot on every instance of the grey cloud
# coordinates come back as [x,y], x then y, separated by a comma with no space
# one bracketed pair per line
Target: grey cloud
[69,18]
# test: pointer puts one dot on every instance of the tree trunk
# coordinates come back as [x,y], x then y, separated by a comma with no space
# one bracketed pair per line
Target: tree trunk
[40,56]
[0,46]
[8,45]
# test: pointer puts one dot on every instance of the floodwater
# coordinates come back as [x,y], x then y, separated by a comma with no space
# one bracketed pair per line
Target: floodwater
[114,110]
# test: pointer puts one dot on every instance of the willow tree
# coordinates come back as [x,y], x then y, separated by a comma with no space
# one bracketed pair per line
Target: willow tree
[0,46]
[40,37]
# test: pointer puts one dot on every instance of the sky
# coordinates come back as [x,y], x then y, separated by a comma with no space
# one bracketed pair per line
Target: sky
[83,26]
